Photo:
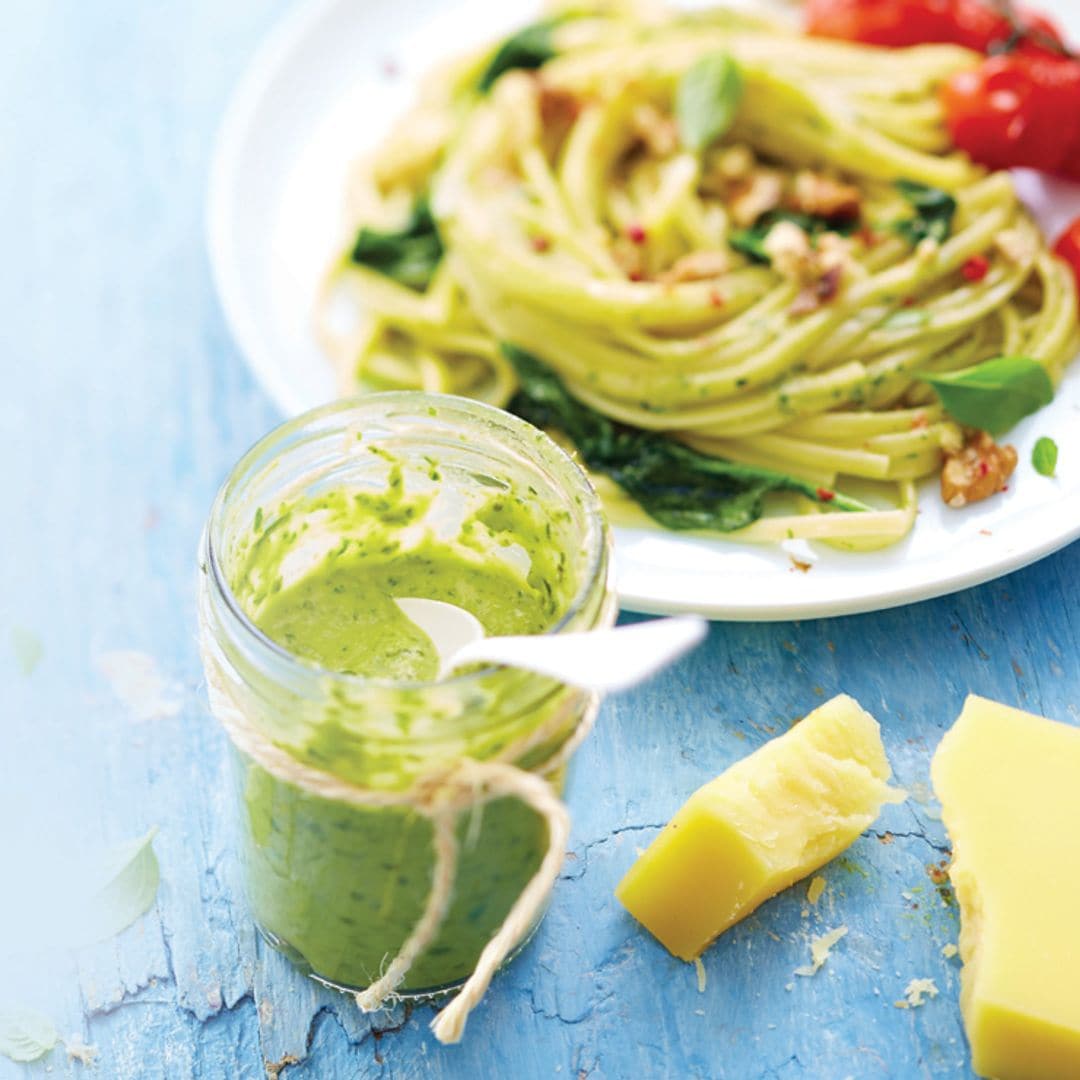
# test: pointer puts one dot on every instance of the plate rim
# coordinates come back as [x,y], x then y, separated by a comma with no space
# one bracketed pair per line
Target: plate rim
[264,67]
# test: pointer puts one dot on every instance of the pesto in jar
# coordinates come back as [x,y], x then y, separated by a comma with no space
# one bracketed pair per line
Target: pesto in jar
[340,888]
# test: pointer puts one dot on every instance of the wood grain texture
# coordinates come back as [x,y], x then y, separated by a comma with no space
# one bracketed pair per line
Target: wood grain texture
[126,405]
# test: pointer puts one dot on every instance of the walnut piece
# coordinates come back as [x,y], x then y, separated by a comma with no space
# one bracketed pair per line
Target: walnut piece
[763,192]
[658,132]
[815,193]
[697,266]
[977,471]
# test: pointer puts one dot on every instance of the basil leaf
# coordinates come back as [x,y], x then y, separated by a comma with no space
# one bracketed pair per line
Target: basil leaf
[706,99]
[530,48]
[677,486]
[934,212]
[751,241]
[410,255]
[26,1035]
[1044,456]
[994,395]
[121,891]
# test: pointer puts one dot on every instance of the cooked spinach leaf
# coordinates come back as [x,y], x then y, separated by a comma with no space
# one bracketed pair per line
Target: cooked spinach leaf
[678,487]
[993,395]
[934,212]
[410,255]
[706,99]
[751,241]
[531,47]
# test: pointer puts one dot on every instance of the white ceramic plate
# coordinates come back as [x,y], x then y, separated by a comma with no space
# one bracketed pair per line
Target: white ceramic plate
[327,84]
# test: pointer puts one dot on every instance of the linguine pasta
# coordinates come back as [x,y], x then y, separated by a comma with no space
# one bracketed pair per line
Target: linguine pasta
[770,299]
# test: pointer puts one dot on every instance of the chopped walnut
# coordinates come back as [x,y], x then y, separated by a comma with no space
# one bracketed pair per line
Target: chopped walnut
[818,292]
[977,471]
[697,266]
[789,248]
[658,132]
[815,193]
[820,270]
[758,195]
[558,109]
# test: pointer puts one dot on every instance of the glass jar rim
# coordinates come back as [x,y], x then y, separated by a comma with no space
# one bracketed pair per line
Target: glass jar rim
[594,541]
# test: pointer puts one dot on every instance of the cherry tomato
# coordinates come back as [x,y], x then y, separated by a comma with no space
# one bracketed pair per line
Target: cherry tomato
[975,24]
[880,22]
[1068,248]
[1018,110]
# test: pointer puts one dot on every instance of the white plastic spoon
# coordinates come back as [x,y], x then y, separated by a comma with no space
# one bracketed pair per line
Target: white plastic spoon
[604,660]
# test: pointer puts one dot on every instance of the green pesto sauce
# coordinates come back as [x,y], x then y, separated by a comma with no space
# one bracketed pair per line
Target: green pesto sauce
[337,888]
[343,617]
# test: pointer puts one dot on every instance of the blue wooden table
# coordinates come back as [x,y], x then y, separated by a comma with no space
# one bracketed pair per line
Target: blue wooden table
[126,403]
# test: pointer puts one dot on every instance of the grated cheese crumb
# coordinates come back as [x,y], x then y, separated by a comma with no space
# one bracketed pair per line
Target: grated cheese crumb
[79,1051]
[814,890]
[700,975]
[820,948]
[949,951]
[916,993]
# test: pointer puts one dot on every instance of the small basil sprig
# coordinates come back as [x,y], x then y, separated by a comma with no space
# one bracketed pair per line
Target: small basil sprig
[934,212]
[409,255]
[1044,456]
[993,395]
[531,47]
[706,100]
[751,241]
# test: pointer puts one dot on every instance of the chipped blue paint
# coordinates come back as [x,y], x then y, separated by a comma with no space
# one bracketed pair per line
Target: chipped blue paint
[126,402]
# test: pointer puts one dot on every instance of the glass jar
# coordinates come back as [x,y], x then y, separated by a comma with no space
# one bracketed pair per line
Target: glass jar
[340,887]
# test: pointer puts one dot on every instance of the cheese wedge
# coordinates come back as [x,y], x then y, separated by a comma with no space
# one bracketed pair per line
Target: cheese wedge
[771,819]
[1009,785]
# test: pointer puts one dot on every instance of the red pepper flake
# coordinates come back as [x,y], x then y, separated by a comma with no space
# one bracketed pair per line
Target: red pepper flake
[920,422]
[636,275]
[975,269]
[909,301]
[798,564]
[825,495]
[715,298]
[540,243]
[636,234]
[985,532]
[984,468]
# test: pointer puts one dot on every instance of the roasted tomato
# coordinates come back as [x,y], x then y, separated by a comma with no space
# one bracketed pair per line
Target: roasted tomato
[975,24]
[1068,248]
[1018,110]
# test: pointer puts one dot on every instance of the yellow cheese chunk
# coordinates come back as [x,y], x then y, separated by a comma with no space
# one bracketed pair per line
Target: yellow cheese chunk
[771,819]
[1009,785]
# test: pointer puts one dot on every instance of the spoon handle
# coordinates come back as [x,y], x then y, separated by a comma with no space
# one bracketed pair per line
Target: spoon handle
[603,660]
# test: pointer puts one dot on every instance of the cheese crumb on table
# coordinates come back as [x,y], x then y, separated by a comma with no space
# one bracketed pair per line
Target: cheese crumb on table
[815,889]
[916,992]
[771,819]
[820,950]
